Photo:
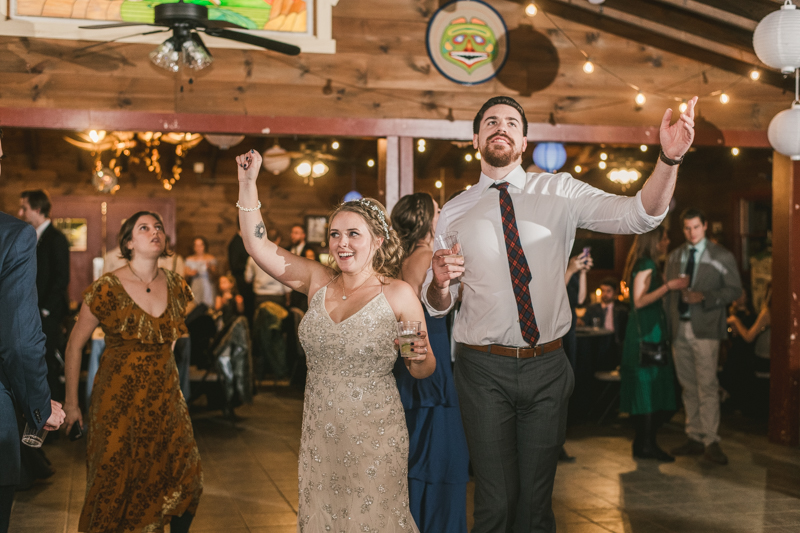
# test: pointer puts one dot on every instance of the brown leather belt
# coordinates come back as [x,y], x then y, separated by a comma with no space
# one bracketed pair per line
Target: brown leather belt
[520,353]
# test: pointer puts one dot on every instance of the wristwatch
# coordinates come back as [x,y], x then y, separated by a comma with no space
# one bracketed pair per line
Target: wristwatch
[670,162]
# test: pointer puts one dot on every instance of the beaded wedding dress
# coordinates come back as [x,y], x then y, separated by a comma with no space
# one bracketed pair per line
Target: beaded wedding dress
[353,464]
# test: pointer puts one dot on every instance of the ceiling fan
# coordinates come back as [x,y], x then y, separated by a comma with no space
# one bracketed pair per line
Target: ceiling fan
[310,160]
[185,46]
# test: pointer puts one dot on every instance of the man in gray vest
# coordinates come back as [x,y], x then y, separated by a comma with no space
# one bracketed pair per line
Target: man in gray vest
[697,318]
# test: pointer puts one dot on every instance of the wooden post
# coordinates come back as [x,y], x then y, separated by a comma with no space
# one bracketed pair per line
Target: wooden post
[784,404]
[406,166]
[389,169]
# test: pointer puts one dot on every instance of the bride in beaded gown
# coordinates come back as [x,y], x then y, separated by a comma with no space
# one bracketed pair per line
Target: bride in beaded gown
[353,459]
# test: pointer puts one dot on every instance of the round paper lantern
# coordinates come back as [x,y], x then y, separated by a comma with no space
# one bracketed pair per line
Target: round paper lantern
[105,180]
[224,142]
[550,156]
[276,160]
[777,38]
[784,132]
[352,195]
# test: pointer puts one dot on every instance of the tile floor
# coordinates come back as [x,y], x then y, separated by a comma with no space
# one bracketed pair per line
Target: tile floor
[250,473]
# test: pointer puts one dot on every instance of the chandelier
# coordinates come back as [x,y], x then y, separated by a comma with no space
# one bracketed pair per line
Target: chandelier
[624,176]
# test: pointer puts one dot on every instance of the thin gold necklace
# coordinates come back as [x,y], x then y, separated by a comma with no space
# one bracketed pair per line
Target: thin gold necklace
[146,284]
[344,296]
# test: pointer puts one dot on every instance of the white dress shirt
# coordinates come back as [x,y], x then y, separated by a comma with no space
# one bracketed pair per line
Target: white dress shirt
[263,283]
[43,226]
[549,208]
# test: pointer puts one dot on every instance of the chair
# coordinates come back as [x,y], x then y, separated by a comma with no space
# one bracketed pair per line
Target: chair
[269,344]
[234,364]
[610,393]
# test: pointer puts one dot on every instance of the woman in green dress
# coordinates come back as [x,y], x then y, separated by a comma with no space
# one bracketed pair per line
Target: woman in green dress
[647,392]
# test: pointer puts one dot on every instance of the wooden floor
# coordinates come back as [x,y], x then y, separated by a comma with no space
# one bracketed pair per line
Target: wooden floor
[250,477]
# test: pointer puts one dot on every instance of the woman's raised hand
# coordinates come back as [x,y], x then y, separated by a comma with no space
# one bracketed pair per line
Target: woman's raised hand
[248,166]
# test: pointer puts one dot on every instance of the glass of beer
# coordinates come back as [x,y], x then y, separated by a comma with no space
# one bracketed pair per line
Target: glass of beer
[407,333]
[33,437]
[449,241]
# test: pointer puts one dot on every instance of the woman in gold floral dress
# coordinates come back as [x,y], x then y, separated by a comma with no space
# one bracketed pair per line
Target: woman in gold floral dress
[354,445]
[143,467]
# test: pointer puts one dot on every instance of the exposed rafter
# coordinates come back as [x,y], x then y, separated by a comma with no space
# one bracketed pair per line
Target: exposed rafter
[664,37]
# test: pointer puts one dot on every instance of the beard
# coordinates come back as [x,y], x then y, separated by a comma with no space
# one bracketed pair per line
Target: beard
[497,156]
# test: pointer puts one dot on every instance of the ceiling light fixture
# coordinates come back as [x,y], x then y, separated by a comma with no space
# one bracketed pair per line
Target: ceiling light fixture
[531,9]
[755,74]
[303,168]
[319,169]
[683,107]
[371,163]
[724,98]
[735,151]
[624,176]
[640,98]
[588,67]
[643,147]
[468,158]
[602,165]
[335,145]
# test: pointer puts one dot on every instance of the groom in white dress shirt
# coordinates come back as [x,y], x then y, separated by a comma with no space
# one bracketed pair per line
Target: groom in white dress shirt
[514,392]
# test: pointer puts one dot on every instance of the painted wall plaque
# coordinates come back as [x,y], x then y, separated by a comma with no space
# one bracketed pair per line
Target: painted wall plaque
[467,41]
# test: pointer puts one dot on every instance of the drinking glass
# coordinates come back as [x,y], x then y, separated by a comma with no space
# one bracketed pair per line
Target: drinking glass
[407,333]
[449,241]
[33,438]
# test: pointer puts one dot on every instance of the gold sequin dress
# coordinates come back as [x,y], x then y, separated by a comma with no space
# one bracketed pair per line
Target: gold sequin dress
[354,446]
[142,461]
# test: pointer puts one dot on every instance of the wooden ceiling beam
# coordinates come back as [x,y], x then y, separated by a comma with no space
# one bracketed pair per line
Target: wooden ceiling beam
[83,119]
[681,20]
[697,6]
[666,43]
[752,9]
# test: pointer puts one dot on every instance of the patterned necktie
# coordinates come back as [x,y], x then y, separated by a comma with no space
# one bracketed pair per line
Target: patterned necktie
[683,307]
[518,266]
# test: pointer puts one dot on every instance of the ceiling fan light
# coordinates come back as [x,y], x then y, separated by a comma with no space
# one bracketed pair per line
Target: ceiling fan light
[303,169]
[318,169]
[166,56]
[195,56]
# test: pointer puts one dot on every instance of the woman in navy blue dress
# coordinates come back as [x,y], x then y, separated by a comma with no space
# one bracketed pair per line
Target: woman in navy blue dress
[438,457]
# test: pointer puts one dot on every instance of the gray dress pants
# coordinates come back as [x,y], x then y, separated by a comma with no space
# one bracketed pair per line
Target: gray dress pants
[515,418]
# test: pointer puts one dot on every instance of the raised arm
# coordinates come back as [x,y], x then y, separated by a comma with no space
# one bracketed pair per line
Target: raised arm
[294,271]
[676,139]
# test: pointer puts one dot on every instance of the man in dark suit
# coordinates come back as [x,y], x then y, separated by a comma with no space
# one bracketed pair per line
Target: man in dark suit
[298,247]
[611,314]
[23,372]
[52,279]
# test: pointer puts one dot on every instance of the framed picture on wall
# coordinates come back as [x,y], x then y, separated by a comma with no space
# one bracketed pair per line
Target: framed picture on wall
[75,230]
[317,228]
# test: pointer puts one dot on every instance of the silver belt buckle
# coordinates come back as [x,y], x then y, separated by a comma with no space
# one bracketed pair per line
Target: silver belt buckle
[517,348]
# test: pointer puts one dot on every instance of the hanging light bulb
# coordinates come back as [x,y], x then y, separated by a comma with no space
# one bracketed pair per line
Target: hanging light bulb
[603,156]
[643,147]
[371,163]
[602,165]
[755,74]
[724,98]
[478,156]
[588,67]
[683,107]
[640,98]
[734,151]
[335,145]
[468,157]
[97,136]
[578,169]
[438,184]
[531,9]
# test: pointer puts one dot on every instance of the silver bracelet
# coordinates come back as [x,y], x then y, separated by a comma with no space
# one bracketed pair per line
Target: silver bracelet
[256,208]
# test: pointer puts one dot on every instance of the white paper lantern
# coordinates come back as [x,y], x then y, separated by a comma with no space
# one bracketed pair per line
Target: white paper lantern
[777,38]
[275,160]
[595,2]
[784,132]
[224,142]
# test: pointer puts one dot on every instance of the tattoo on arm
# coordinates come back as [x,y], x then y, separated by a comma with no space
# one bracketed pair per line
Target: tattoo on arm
[260,230]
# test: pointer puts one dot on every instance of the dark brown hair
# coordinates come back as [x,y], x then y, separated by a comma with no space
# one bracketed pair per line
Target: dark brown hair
[693,212]
[204,241]
[126,234]
[500,100]
[644,245]
[38,200]
[389,255]
[412,219]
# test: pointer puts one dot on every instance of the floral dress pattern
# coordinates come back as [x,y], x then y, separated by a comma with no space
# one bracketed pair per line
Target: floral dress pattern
[143,466]
[353,461]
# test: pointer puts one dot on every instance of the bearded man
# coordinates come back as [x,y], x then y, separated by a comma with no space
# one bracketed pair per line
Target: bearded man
[513,378]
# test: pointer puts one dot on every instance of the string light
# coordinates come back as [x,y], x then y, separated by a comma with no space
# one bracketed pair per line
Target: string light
[640,99]
[724,98]
[531,9]
[478,156]
[735,151]
[602,165]
[335,145]
[438,184]
[468,187]
[578,169]
[603,156]
[468,157]
[755,74]
[683,107]
[643,147]
[588,67]
[371,163]
[421,145]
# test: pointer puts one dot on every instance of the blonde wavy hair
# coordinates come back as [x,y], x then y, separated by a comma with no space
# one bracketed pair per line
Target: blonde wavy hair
[389,255]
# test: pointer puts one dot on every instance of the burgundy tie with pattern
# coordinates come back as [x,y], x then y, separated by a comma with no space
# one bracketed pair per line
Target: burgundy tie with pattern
[518,266]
